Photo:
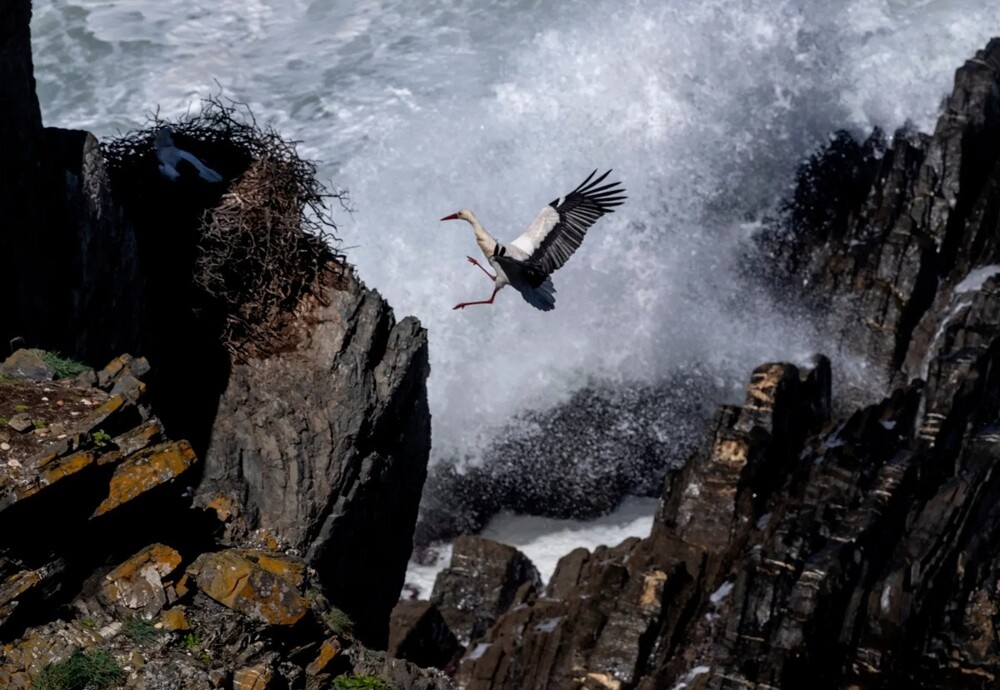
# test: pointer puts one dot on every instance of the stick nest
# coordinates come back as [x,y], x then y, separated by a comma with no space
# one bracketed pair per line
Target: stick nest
[256,244]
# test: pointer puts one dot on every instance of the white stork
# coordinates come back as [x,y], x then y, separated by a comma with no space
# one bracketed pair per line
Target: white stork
[176,163]
[546,245]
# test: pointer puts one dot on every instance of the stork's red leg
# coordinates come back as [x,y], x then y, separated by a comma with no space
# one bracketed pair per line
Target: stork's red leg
[463,305]
[476,263]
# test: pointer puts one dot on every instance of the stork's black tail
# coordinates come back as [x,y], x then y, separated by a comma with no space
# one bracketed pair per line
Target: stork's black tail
[542,297]
[534,285]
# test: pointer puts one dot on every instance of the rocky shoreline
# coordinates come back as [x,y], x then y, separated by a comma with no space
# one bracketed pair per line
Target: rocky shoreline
[802,547]
[181,518]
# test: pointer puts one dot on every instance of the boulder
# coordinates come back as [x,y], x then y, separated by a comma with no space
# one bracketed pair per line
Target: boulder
[257,677]
[27,364]
[480,584]
[21,172]
[265,587]
[137,584]
[419,633]
[602,609]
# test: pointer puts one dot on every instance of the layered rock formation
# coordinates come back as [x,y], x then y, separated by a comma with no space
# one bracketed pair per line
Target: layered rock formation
[333,471]
[807,547]
[130,577]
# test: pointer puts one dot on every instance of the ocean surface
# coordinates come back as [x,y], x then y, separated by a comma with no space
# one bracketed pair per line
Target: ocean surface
[702,107]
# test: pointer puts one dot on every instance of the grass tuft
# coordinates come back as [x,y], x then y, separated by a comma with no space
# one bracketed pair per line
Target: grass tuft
[65,368]
[353,682]
[94,670]
[139,630]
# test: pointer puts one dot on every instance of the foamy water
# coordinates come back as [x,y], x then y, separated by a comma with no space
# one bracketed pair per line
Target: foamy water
[702,107]
[545,540]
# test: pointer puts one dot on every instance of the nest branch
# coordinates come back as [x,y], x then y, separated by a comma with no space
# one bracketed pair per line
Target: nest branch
[264,240]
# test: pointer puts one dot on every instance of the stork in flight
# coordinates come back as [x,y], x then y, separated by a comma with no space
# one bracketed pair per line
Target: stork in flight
[546,245]
[176,163]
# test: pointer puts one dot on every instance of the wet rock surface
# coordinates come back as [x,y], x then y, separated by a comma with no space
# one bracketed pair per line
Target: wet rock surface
[484,577]
[577,460]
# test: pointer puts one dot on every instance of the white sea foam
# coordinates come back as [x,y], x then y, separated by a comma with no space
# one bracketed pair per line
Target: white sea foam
[545,540]
[702,107]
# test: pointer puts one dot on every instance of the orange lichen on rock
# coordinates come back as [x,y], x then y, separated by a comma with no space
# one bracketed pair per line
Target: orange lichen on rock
[328,651]
[147,470]
[262,586]
[256,677]
[138,582]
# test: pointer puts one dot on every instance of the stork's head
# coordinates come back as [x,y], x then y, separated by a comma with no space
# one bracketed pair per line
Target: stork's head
[164,137]
[463,214]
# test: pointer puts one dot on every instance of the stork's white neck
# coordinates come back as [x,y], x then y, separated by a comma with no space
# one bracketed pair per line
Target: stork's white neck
[484,239]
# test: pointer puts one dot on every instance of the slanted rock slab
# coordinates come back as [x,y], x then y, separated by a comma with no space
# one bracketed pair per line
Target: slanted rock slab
[25,364]
[137,583]
[418,633]
[147,470]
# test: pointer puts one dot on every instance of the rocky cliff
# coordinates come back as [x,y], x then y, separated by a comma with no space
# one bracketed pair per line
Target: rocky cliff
[109,575]
[224,521]
[804,546]
[325,448]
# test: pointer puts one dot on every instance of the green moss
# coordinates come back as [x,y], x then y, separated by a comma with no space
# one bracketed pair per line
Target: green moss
[94,670]
[353,682]
[4,421]
[65,368]
[20,408]
[191,640]
[39,423]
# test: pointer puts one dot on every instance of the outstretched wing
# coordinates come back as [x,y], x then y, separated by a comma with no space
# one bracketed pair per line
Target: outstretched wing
[560,227]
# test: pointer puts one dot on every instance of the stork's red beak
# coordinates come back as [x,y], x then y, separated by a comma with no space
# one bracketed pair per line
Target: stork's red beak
[453,216]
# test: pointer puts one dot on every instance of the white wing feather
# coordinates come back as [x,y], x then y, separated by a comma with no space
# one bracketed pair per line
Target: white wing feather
[529,241]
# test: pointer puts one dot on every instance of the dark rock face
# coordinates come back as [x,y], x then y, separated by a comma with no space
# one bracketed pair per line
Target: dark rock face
[418,633]
[878,259]
[607,615]
[325,447]
[481,582]
[20,163]
[98,293]
[76,277]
